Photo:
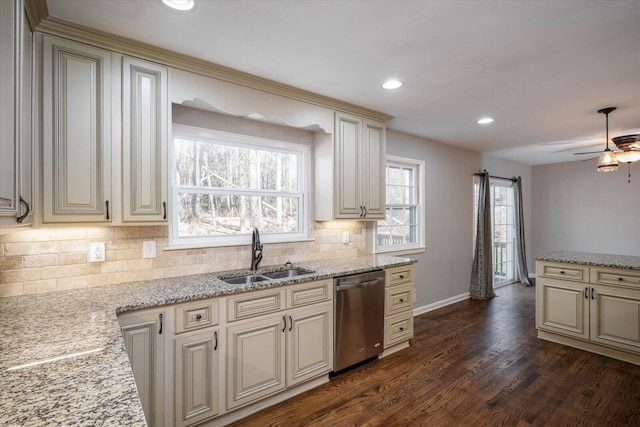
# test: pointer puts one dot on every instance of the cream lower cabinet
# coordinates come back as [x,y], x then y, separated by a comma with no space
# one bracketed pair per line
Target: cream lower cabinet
[196,382]
[144,337]
[398,308]
[600,318]
[268,355]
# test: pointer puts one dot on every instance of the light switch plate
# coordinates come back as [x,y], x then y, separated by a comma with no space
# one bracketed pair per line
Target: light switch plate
[345,237]
[149,249]
[96,252]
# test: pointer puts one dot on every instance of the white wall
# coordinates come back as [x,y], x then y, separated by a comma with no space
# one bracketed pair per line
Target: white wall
[577,208]
[444,270]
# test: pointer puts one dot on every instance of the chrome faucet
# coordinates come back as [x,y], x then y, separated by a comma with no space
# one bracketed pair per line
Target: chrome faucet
[256,249]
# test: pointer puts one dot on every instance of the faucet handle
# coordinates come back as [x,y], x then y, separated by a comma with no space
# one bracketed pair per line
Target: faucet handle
[288,265]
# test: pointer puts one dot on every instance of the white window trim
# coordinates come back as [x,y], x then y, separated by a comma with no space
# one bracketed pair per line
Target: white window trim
[419,246]
[176,242]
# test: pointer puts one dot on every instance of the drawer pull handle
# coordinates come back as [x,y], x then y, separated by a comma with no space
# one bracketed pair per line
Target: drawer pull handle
[106,203]
[592,293]
[284,319]
[586,293]
[620,279]
[26,212]
[401,299]
[561,272]
[402,276]
[160,317]
[164,210]
[198,316]
[401,329]
[215,337]
[290,323]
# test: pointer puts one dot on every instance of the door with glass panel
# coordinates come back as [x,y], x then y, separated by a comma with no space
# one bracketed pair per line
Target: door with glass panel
[502,230]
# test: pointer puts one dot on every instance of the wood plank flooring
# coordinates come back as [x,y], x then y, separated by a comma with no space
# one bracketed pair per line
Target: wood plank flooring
[474,363]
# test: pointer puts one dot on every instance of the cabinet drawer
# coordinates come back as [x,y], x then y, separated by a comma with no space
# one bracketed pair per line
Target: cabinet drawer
[398,299]
[252,304]
[564,271]
[398,328]
[196,315]
[309,293]
[614,276]
[397,275]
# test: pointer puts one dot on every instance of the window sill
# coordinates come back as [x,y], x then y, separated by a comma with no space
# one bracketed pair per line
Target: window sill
[228,245]
[407,251]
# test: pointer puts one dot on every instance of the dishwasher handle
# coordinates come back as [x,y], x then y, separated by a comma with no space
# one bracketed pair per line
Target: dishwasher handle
[359,284]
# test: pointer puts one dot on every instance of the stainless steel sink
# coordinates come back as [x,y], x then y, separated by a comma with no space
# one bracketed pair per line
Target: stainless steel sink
[287,273]
[244,280]
[271,275]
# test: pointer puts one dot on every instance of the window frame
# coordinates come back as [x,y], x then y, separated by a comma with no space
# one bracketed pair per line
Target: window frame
[419,181]
[248,141]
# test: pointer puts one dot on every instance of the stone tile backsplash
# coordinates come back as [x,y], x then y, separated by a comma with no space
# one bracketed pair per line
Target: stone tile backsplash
[51,259]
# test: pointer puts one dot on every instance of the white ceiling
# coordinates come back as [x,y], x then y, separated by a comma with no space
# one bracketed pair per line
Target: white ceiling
[541,68]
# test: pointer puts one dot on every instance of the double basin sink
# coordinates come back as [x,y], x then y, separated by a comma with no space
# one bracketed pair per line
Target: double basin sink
[267,275]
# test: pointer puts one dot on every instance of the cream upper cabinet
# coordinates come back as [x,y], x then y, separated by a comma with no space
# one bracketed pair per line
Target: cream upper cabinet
[359,168]
[350,170]
[76,132]
[145,130]
[144,338]
[16,83]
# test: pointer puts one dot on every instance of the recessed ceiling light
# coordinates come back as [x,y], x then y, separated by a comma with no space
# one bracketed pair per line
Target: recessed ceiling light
[181,5]
[392,84]
[485,121]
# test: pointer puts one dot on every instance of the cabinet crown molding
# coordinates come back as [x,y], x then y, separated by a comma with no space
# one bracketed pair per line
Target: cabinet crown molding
[55,26]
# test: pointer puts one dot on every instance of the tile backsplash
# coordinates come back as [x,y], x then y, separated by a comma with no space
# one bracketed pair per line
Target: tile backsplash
[51,259]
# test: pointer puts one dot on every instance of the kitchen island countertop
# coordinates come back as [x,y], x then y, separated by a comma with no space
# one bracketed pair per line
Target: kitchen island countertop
[62,355]
[594,259]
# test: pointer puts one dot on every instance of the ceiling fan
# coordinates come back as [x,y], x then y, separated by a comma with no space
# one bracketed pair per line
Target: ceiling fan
[627,149]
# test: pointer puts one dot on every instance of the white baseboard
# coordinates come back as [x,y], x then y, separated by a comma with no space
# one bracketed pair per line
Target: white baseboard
[439,304]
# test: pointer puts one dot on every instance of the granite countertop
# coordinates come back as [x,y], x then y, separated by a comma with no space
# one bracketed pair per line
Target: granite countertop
[587,258]
[89,382]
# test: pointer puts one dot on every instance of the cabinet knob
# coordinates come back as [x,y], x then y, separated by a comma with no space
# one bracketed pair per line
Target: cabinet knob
[401,329]
[401,299]
[198,316]
[402,276]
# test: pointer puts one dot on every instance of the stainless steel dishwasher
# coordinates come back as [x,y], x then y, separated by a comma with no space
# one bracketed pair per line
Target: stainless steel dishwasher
[359,318]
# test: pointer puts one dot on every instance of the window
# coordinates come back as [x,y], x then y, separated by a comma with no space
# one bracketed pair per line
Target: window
[224,183]
[502,229]
[403,226]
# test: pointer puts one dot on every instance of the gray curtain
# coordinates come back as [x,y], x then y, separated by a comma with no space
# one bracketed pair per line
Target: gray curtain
[521,254]
[482,271]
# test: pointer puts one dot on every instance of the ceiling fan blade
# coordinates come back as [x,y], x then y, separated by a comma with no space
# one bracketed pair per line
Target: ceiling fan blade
[564,150]
[587,152]
[587,160]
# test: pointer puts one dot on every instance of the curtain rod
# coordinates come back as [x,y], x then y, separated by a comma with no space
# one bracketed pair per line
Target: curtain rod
[496,177]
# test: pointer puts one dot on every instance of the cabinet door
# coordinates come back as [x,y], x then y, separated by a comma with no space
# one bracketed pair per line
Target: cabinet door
[9,106]
[76,137]
[348,134]
[373,170]
[145,123]
[196,377]
[144,340]
[309,343]
[615,317]
[562,307]
[255,360]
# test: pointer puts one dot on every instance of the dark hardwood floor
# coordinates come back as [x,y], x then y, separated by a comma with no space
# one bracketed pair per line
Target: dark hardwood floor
[474,363]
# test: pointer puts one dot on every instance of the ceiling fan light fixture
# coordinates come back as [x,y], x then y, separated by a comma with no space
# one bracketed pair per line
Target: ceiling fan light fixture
[180,5]
[607,161]
[627,156]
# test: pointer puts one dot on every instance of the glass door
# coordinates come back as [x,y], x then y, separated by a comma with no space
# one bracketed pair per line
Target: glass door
[503,231]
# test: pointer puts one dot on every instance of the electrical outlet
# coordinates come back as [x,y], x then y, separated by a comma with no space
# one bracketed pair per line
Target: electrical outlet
[149,249]
[345,237]
[96,252]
